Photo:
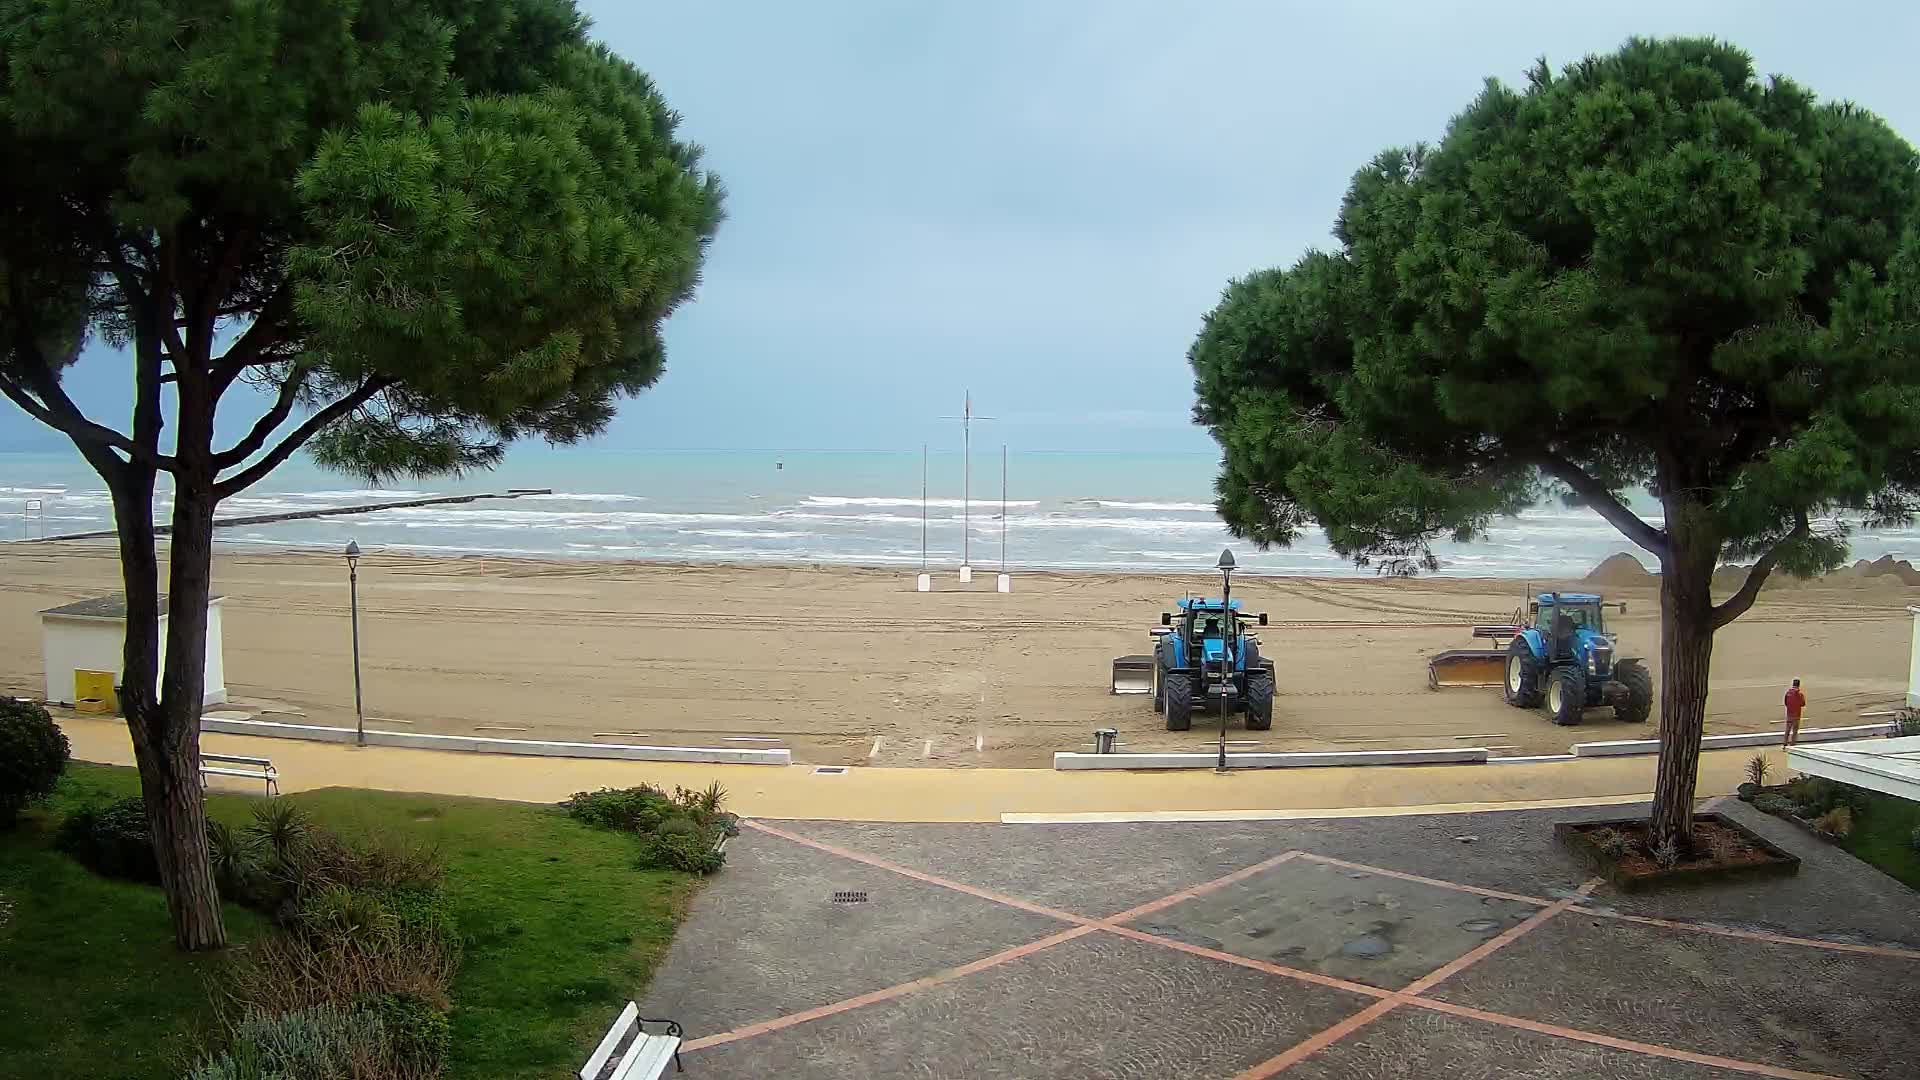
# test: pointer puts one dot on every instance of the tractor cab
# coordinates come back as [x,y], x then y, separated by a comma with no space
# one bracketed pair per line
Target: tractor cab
[1572,626]
[1202,629]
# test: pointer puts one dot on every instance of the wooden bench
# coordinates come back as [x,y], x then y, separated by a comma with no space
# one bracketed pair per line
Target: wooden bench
[630,1052]
[250,768]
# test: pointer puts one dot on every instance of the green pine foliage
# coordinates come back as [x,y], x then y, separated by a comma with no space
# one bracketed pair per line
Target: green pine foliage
[1651,268]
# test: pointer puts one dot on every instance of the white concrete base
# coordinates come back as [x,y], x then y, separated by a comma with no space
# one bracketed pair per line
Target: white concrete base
[477,744]
[966,574]
[923,583]
[1461,755]
[1003,583]
[1624,747]
[1537,759]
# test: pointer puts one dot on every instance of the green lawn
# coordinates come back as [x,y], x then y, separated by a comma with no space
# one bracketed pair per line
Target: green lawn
[1883,837]
[560,931]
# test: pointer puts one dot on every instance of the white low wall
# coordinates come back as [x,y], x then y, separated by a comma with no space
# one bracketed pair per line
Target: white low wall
[1625,747]
[1536,759]
[479,745]
[1464,755]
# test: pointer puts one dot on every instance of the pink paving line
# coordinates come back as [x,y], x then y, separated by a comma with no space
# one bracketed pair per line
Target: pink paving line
[1200,890]
[887,994]
[1313,1044]
[1597,1039]
[1313,977]
[1539,901]
[930,879]
[1388,1000]
[1758,935]
[1696,927]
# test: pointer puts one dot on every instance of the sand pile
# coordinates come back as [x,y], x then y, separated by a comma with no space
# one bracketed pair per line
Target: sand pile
[1887,565]
[1618,572]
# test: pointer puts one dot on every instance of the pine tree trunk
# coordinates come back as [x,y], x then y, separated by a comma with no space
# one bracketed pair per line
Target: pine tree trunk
[1686,655]
[165,727]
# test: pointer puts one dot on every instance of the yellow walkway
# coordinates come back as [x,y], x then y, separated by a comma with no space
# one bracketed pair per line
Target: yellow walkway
[873,794]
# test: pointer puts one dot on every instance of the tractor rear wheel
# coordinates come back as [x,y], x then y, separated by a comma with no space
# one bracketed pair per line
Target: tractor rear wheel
[1259,700]
[1522,686]
[1567,695]
[1177,701]
[1639,683]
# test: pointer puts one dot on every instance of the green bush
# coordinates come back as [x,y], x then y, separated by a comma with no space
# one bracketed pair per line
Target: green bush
[677,849]
[33,754]
[417,1034]
[634,809]
[324,1041]
[1837,822]
[1772,803]
[111,840]
[1815,795]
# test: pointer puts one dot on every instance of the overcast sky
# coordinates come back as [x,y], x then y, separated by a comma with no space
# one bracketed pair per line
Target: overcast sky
[1039,200]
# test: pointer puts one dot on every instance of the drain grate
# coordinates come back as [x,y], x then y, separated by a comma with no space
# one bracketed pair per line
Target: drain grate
[829,770]
[850,896]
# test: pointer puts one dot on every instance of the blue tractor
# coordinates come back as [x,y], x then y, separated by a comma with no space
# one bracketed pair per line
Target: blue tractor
[1565,660]
[1202,655]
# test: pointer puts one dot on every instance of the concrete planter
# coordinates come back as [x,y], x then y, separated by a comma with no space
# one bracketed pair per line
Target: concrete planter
[1628,876]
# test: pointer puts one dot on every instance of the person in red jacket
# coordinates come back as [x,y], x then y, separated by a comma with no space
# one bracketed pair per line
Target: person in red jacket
[1796,702]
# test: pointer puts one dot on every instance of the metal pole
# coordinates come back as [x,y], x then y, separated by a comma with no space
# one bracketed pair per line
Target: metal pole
[923,508]
[1003,508]
[1226,648]
[359,716]
[966,483]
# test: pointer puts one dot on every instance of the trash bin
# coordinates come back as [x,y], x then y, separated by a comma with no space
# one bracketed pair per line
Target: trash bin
[1103,739]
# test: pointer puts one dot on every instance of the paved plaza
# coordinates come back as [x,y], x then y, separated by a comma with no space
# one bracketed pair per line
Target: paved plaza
[1458,945]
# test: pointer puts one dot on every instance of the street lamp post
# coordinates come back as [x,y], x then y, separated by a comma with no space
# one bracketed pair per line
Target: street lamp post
[353,603]
[1229,638]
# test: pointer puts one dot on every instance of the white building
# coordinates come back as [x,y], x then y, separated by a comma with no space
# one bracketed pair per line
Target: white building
[90,635]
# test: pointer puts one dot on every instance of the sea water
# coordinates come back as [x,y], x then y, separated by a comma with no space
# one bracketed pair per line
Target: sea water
[1065,510]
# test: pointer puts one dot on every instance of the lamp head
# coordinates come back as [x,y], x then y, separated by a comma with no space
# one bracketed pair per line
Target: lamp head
[1226,564]
[353,552]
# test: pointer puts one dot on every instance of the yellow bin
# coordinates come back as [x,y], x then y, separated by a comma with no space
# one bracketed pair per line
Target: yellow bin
[92,686]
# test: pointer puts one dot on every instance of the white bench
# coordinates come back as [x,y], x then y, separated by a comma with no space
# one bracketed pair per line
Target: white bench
[643,1056]
[251,768]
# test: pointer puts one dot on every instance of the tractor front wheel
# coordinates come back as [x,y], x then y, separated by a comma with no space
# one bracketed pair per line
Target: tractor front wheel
[1639,683]
[1177,696]
[1567,696]
[1259,700]
[1522,686]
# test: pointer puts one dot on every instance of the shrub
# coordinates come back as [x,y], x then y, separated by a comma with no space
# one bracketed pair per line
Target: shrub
[322,1041]
[674,848]
[1816,795]
[1747,791]
[1608,842]
[1837,822]
[1906,722]
[33,754]
[1772,803]
[417,1034]
[239,862]
[113,840]
[1913,839]
[1665,854]
[634,809]
[340,950]
[1757,768]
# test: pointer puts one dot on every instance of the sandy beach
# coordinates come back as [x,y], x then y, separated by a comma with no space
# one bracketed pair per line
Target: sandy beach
[849,666]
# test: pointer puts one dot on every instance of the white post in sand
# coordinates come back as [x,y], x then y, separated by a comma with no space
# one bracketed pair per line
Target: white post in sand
[1913,663]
